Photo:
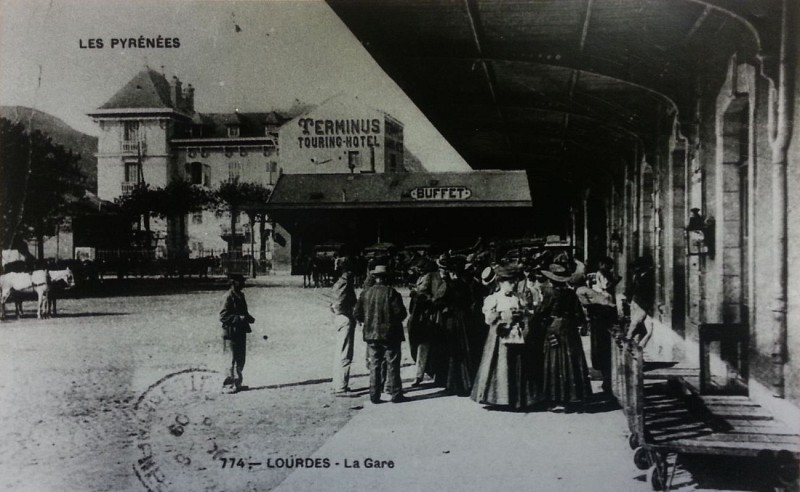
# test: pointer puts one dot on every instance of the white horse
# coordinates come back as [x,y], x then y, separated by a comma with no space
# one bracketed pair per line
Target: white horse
[24,283]
[59,280]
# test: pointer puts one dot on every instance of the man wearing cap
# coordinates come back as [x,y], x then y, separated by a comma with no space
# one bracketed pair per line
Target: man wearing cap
[236,322]
[381,311]
[344,300]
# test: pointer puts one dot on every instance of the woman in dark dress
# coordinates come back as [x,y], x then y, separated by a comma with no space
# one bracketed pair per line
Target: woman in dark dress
[454,370]
[506,372]
[565,380]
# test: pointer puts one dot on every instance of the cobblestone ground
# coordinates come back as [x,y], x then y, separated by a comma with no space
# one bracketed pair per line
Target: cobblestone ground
[80,408]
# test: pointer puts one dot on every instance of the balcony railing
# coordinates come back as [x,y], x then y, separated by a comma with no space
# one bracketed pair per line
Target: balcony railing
[132,147]
[128,187]
[242,232]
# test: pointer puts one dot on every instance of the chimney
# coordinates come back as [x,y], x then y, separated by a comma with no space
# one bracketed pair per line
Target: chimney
[188,98]
[175,92]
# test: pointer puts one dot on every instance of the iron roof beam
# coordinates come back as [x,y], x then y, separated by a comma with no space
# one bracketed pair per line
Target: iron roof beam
[659,93]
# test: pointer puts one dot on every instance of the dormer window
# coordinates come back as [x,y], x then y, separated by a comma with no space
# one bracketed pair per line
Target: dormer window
[233,131]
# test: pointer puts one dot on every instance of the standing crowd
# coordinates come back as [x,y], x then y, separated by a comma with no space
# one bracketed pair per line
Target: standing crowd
[506,334]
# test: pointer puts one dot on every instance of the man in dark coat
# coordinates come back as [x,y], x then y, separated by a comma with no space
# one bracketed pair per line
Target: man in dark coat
[597,298]
[344,300]
[381,311]
[426,326]
[235,326]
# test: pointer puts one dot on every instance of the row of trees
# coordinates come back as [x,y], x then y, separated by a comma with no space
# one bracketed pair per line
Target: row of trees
[39,181]
[180,198]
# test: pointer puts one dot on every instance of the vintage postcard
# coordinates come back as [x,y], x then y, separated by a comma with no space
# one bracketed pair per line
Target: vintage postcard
[479,245]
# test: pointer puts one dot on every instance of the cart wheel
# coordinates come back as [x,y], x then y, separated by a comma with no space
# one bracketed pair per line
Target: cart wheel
[657,477]
[786,470]
[641,458]
[633,441]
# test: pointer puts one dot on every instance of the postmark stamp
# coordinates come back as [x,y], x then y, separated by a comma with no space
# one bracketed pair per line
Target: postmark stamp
[177,427]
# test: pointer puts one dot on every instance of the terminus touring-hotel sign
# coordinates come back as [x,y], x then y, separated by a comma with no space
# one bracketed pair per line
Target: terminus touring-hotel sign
[331,134]
[441,193]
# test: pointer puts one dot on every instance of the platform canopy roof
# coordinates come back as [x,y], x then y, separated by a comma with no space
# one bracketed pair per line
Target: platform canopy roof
[562,88]
[401,190]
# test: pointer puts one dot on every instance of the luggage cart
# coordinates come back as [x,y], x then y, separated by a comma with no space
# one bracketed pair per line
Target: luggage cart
[665,418]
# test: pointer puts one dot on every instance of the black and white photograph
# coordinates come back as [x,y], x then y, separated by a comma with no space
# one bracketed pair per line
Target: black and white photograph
[400,245]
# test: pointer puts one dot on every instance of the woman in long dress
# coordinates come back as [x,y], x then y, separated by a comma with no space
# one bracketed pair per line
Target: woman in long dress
[454,370]
[566,375]
[506,373]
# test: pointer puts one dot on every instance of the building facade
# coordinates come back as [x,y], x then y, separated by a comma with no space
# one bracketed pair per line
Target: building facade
[714,205]
[342,135]
[150,133]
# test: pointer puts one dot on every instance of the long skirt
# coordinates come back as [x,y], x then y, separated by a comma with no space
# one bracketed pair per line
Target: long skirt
[566,375]
[478,333]
[454,369]
[506,375]
[602,319]
[422,338]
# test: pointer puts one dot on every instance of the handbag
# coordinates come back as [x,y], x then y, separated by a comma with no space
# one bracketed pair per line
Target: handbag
[514,336]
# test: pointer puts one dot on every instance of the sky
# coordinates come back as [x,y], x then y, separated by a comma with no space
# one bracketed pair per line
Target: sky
[283,50]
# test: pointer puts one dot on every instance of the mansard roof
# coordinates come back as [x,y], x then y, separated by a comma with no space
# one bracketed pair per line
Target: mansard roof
[215,125]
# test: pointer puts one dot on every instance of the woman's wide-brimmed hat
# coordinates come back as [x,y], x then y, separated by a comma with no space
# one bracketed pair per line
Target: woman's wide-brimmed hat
[488,276]
[557,273]
[380,270]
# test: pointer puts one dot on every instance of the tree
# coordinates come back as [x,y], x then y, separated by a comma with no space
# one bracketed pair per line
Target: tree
[14,173]
[178,199]
[139,205]
[40,179]
[233,196]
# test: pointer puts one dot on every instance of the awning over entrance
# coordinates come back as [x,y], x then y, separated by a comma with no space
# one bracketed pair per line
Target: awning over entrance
[362,209]
[406,190]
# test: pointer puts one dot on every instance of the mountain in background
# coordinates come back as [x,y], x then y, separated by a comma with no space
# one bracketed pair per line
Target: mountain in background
[61,134]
